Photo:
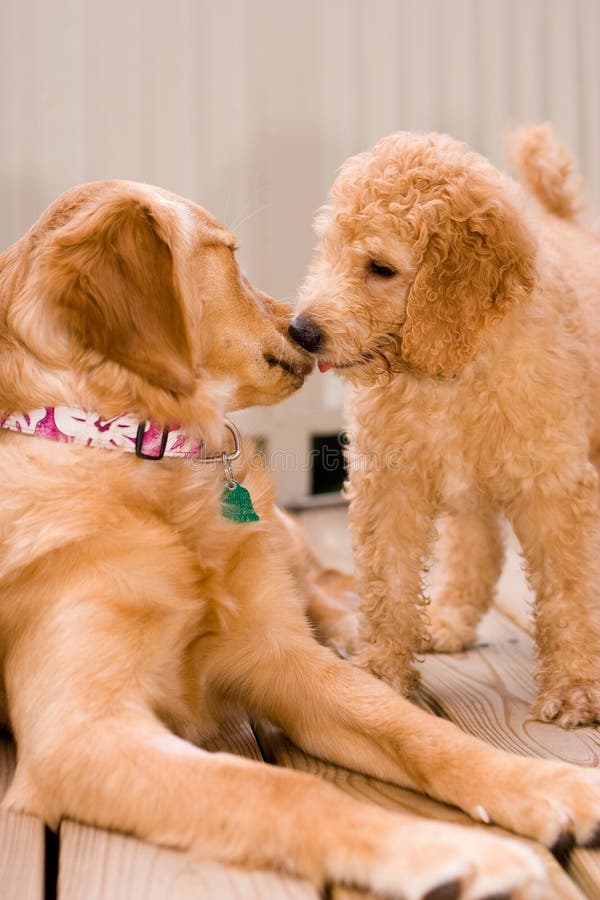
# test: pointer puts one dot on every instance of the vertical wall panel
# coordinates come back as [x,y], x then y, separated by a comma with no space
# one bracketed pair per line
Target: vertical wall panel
[494,73]
[22,185]
[61,134]
[168,92]
[458,83]
[379,89]
[562,57]
[337,121]
[283,142]
[115,75]
[218,113]
[588,41]
[527,28]
[419,65]
[10,198]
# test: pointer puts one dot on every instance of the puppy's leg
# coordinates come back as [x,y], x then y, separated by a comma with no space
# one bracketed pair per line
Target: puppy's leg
[558,525]
[109,762]
[341,713]
[391,522]
[471,557]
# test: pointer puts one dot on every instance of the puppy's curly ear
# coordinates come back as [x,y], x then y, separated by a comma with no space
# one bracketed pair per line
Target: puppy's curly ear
[478,263]
[108,276]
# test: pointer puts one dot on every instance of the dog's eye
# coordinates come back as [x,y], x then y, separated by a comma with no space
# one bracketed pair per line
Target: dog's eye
[381,270]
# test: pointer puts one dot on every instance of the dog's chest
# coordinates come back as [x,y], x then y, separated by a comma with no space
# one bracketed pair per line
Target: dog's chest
[432,431]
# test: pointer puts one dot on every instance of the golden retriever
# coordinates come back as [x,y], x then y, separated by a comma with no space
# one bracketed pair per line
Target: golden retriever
[136,616]
[467,320]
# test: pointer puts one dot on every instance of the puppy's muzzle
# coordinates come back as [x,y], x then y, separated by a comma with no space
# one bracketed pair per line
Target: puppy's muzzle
[305,333]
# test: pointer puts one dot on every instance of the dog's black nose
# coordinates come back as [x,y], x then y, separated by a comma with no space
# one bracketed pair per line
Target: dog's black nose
[305,333]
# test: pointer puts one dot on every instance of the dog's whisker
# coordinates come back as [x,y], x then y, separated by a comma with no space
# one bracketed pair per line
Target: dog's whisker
[248,218]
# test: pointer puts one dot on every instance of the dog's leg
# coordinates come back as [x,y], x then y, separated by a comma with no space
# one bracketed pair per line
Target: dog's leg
[471,556]
[391,522]
[331,602]
[341,713]
[329,596]
[109,762]
[558,525]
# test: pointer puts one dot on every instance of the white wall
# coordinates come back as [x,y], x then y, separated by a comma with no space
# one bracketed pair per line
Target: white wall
[248,107]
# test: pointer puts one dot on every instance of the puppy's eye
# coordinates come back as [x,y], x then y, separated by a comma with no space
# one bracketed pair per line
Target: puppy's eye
[381,270]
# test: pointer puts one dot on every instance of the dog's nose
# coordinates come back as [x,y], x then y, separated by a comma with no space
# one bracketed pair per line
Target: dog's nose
[305,333]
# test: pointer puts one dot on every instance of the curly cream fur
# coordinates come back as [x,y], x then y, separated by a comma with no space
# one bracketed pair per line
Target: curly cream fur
[475,373]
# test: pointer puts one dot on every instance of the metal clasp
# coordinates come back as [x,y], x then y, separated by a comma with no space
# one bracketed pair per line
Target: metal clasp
[225,457]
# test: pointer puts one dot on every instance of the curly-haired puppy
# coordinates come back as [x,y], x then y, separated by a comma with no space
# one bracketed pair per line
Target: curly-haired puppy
[466,318]
[140,606]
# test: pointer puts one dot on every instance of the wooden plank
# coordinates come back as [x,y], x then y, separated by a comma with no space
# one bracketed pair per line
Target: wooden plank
[101,864]
[104,865]
[21,841]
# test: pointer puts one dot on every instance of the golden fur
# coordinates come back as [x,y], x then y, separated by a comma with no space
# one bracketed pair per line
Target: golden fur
[474,360]
[134,618]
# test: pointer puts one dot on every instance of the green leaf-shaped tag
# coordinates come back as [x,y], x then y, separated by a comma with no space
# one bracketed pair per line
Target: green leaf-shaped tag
[236,503]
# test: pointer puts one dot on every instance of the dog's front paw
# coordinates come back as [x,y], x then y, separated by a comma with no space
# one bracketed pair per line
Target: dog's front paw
[437,860]
[413,858]
[448,630]
[569,705]
[554,803]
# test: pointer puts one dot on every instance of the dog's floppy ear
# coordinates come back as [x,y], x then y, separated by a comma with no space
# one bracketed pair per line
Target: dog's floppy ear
[477,265]
[108,275]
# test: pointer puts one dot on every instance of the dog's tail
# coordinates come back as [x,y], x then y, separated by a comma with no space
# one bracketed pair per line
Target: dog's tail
[547,170]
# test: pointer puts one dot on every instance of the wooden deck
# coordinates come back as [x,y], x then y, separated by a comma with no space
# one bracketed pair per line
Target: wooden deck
[486,691]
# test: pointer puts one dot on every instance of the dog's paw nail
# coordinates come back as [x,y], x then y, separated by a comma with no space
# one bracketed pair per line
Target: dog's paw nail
[450,890]
[571,720]
[550,710]
[563,846]
[594,840]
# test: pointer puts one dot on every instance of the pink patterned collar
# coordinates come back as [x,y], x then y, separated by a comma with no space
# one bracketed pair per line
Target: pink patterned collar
[79,426]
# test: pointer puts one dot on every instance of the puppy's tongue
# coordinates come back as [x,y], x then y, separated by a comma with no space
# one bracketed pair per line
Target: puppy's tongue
[324,366]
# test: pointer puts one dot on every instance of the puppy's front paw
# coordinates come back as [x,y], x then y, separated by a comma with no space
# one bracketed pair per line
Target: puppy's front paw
[448,630]
[569,705]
